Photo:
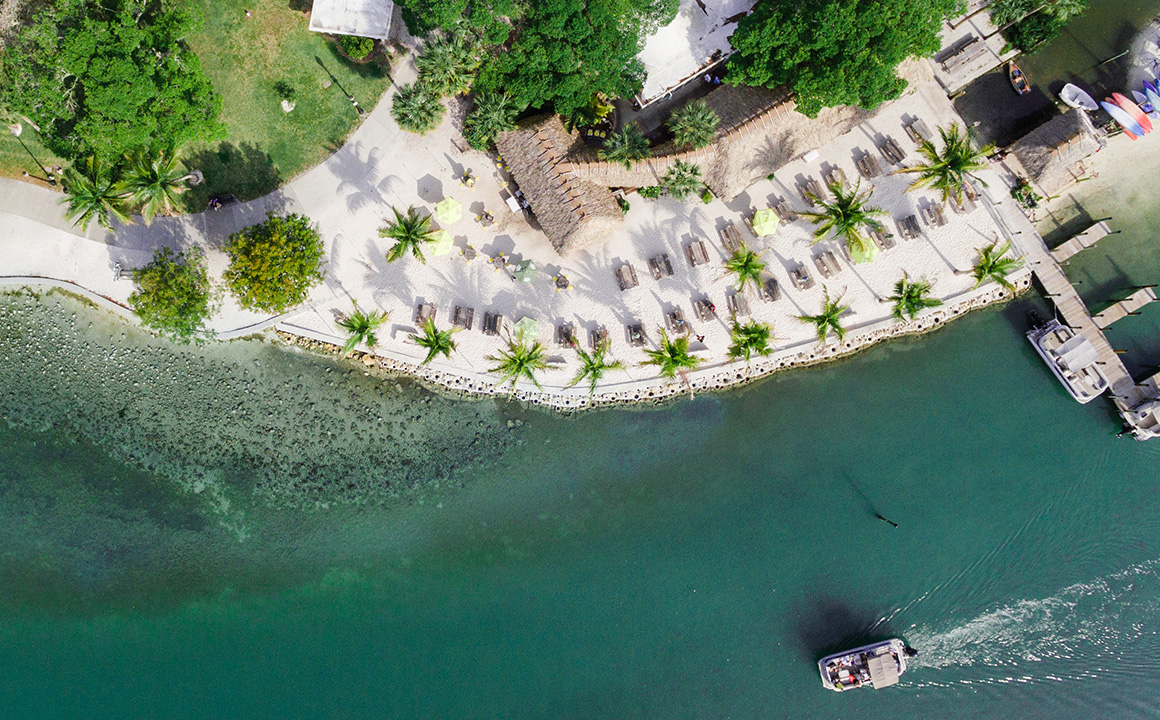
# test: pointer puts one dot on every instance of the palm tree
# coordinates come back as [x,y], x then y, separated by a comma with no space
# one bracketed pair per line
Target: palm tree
[447,65]
[520,360]
[92,192]
[154,182]
[416,108]
[949,171]
[437,342]
[749,339]
[626,146]
[672,357]
[994,267]
[494,113]
[830,319]
[748,267]
[845,216]
[361,327]
[682,179]
[409,232]
[593,365]
[911,298]
[694,125]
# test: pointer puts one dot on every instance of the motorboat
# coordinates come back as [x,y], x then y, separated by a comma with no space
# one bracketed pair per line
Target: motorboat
[1018,79]
[1074,96]
[1131,128]
[877,665]
[1072,358]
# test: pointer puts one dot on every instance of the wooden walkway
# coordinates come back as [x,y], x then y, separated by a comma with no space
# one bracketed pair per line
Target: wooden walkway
[1085,239]
[1125,307]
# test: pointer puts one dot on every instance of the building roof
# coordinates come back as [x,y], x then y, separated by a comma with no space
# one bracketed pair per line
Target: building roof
[365,18]
[1049,152]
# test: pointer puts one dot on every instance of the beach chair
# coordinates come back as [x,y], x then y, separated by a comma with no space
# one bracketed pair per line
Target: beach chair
[769,290]
[492,323]
[890,150]
[635,334]
[784,212]
[834,266]
[731,238]
[738,304]
[966,205]
[660,266]
[882,239]
[908,227]
[822,266]
[423,313]
[801,278]
[835,175]
[676,322]
[463,317]
[696,253]
[705,309]
[918,131]
[868,166]
[626,277]
[597,336]
[938,214]
[565,335]
[809,190]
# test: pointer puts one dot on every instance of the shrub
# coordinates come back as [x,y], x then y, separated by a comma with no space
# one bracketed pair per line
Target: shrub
[706,196]
[624,206]
[274,264]
[417,109]
[355,46]
[652,192]
[173,294]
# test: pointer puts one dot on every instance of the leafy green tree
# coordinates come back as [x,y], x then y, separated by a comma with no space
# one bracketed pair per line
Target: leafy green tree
[950,169]
[625,146]
[1028,23]
[835,52]
[912,297]
[747,265]
[409,232]
[593,365]
[106,78]
[274,264]
[992,266]
[845,216]
[494,112]
[154,182]
[749,339]
[520,360]
[174,295]
[416,108]
[694,124]
[355,46]
[438,342]
[447,64]
[490,19]
[682,179]
[672,357]
[93,192]
[360,327]
[829,320]
[596,109]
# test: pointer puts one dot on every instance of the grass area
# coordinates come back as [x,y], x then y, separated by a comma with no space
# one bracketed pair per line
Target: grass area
[14,159]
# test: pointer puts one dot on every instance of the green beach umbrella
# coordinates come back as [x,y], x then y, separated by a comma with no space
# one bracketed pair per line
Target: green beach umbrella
[527,271]
[864,254]
[448,210]
[527,328]
[765,222]
[442,242]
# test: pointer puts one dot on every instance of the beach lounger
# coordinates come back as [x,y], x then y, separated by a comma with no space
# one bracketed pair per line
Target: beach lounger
[626,277]
[809,190]
[934,216]
[822,266]
[676,322]
[463,317]
[908,227]
[738,304]
[696,253]
[769,290]
[835,175]
[565,335]
[660,266]
[492,323]
[868,166]
[705,309]
[598,336]
[890,150]
[801,278]
[784,212]
[918,131]
[967,205]
[423,313]
[635,334]
[731,238]
[882,239]
[834,266]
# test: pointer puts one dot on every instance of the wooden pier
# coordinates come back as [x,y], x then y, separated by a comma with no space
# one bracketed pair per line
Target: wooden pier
[1128,306]
[1085,239]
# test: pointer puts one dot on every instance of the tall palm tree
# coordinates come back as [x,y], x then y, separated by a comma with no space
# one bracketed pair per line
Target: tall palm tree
[409,232]
[494,112]
[829,320]
[447,65]
[520,360]
[626,146]
[845,216]
[749,339]
[593,365]
[438,342]
[416,108]
[992,266]
[912,297]
[672,357]
[949,170]
[694,124]
[154,182]
[361,327]
[747,265]
[93,192]
[682,179]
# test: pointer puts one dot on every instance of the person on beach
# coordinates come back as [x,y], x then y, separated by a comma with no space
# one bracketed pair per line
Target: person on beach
[700,338]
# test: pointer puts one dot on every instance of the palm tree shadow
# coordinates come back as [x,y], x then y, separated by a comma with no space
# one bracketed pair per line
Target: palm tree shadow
[244,171]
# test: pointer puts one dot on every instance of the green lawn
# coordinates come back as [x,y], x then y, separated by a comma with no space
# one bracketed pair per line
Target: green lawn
[15,159]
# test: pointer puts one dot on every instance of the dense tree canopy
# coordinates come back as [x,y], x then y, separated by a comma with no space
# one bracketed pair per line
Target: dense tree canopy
[173,294]
[835,52]
[273,265]
[105,78]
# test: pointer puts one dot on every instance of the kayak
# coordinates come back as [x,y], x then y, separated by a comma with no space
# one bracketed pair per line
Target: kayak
[1131,128]
[1134,110]
[1074,96]
[1145,104]
[1152,94]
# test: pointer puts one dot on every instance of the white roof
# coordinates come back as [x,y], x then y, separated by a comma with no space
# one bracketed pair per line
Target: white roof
[365,18]
[1077,353]
[686,45]
[883,670]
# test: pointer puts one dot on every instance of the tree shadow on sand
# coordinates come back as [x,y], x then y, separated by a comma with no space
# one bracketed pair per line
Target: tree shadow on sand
[244,171]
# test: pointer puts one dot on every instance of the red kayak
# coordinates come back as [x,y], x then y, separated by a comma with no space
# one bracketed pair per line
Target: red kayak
[1134,110]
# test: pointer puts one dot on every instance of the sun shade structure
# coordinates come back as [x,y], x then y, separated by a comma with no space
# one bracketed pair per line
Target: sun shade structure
[448,210]
[883,671]
[527,328]
[1077,353]
[864,254]
[765,222]
[364,18]
[442,242]
[527,271]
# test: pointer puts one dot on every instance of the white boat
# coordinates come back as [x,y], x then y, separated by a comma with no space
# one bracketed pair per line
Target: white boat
[1075,97]
[877,665]
[1071,357]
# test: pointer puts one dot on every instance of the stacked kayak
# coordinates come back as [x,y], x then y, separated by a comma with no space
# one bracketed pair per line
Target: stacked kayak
[1131,128]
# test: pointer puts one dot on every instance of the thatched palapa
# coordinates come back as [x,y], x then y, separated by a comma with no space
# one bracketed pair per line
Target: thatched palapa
[1051,153]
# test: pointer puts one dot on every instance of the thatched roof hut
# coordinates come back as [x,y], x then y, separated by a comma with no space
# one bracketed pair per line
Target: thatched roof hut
[1051,152]
[572,210]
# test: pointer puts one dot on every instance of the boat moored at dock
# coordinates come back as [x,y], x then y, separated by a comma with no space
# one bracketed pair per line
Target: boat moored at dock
[1072,359]
[1074,96]
[877,665]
